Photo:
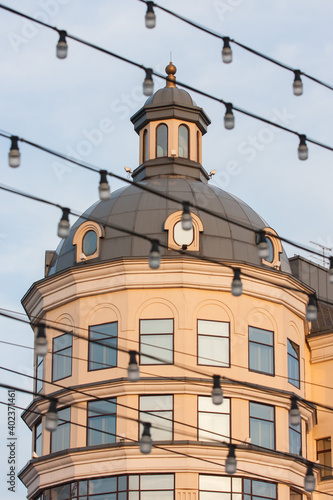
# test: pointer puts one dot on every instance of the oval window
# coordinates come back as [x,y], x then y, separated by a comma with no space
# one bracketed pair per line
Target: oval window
[270,258]
[182,237]
[89,243]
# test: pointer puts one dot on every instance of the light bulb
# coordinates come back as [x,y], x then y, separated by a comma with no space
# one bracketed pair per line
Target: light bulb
[148,84]
[311,309]
[41,345]
[63,226]
[297,85]
[231,462]
[146,441]
[62,46]
[104,188]
[51,420]
[133,372]
[303,151]
[309,481]
[226,51]
[294,413]
[217,394]
[330,271]
[236,286]
[187,223]
[229,119]
[14,156]
[150,17]
[154,256]
[263,249]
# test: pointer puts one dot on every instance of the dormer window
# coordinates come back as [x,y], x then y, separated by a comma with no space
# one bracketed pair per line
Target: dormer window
[183,141]
[161,140]
[177,237]
[275,248]
[87,240]
[89,243]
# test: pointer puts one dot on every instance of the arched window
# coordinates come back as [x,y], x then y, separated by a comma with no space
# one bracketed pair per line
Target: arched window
[161,140]
[183,141]
[145,145]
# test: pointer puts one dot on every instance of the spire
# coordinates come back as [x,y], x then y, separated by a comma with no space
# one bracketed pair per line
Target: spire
[170,71]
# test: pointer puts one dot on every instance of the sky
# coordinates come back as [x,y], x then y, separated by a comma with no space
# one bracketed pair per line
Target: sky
[63,104]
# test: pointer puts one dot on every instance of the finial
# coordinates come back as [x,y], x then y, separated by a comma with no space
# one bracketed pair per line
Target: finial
[170,71]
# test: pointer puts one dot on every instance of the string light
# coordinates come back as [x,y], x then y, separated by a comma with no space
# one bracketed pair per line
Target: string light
[263,249]
[41,344]
[62,47]
[226,51]
[303,151]
[104,188]
[330,271]
[150,18]
[148,84]
[146,441]
[64,226]
[236,286]
[217,394]
[187,222]
[309,481]
[14,156]
[311,309]
[229,119]
[51,419]
[154,256]
[231,462]
[294,413]
[297,85]
[133,372]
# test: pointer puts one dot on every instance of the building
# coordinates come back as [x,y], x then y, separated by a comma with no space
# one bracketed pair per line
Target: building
[188,328]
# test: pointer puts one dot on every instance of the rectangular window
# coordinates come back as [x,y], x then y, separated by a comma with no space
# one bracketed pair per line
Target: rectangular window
[101,422]
[151,487]
[295,439]
[213,418]
[259,490]
[62,357]
[38,439]
[324,457]
[60,438]
[261,350]
[158,410]
[39,373]
[220,487]
[213,343]
[293,363]
[103,346]
[156,341]
[262,427]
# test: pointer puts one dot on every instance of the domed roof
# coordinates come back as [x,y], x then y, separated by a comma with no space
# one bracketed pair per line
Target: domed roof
[145,213]
[170,95]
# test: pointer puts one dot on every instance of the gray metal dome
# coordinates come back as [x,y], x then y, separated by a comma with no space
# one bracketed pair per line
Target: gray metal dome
[145,213]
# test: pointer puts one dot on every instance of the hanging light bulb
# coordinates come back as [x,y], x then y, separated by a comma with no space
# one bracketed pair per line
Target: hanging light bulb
[146,441]
[236,286]
[263,249]
[217,394]
[229,119]
[309,481]
[41,345]
[154,256]
[294,413]
[51,420]
[63,226]
[226,51]
[311,309]
[62,46]
[14,156]
[150,17]
[303,151]
[330,271]
[187,223]
[133,372]
[297,85]
[104,188]
[148,84]
[231,462]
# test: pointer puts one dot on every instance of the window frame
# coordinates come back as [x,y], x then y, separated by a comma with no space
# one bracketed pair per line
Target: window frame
[91,429]
[265,420]
[291,380]
[215,336]
[232,479]
[252,494]
[265,345]
[156,363]
[60,424]
[145,412]
[324,476]
[216,437]
[56,354]
[39,366]
[186,127]
[95,341]
[38,438]
[167,140]
[292,429]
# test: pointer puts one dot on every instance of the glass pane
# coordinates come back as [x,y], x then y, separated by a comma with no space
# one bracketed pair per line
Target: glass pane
[133,495]
[161,428]
[103,354]
[133,482]
[61,492]
[261,336]
[220,424]
[181,236]
[209,495]
[157,346]
[104,485]
[161,141]
[237,484]
[102,407]
[105,430]
[83,488]
[122,483]
[270,257]
[262,411]
[183,141]
[145,145]
[156,495]
[156,326]
[151,403]
[218,328]
[122,496]
[62,342]
[264,489]
[295,441]
[293,371]
[214,483]
[261,358]
[107,496]
[262,433]
[89,243]
[157,482]
[205,403]
[62,364]
[213,351]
